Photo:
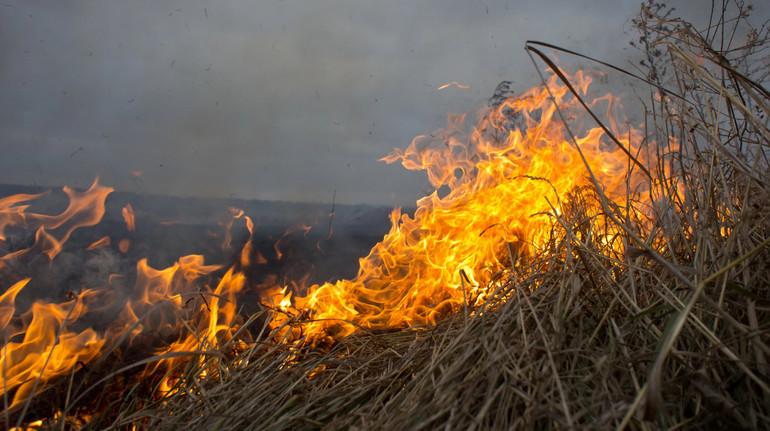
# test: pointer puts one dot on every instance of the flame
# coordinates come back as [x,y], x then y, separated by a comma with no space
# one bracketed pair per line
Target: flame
[48,340]
[7,302]
[233,214]
[280,244]
[84,209]
[47,348]
[466,87]
[13,214]
[128,216]
[508,182]
[102,242]
[123,245]
[504,186]
[42,345]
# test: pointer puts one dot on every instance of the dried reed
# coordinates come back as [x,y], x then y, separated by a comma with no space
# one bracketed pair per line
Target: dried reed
[673,333]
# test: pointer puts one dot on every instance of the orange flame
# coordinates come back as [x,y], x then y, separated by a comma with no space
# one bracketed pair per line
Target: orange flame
[233,213]
[507,183]
[7,302]
[128,216]
[102,242]
[123,245]
[466,87]
[42,343]
[12,214]
[85,209]
[47,349]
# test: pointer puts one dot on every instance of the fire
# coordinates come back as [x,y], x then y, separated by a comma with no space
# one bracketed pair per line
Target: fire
[128,216]
[124,245]
[501,191]
[43,343]
[39,343]
[465,87]
[85,209]
[508,183]
[102,242]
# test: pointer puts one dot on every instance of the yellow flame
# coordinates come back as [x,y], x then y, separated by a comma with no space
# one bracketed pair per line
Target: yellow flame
[507,182]
[504,187]
[453,83]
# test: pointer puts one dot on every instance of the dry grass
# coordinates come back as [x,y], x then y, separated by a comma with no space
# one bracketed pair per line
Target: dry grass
[674,333]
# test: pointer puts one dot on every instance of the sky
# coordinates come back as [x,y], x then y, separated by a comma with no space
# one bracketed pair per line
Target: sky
[280,100]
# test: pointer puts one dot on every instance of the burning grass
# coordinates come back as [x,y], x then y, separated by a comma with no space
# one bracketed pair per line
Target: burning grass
[642,302]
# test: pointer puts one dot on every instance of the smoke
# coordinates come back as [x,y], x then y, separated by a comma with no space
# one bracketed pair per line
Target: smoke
[281,100]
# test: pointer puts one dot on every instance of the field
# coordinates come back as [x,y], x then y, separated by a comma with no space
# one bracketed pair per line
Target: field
[631,293]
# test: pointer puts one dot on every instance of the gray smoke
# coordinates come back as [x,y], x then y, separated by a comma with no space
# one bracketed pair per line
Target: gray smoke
[284,100]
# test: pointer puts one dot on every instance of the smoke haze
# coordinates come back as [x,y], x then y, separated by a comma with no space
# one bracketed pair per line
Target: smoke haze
[280,100]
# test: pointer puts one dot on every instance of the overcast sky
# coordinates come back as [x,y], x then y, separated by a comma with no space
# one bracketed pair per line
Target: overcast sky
[283,100]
